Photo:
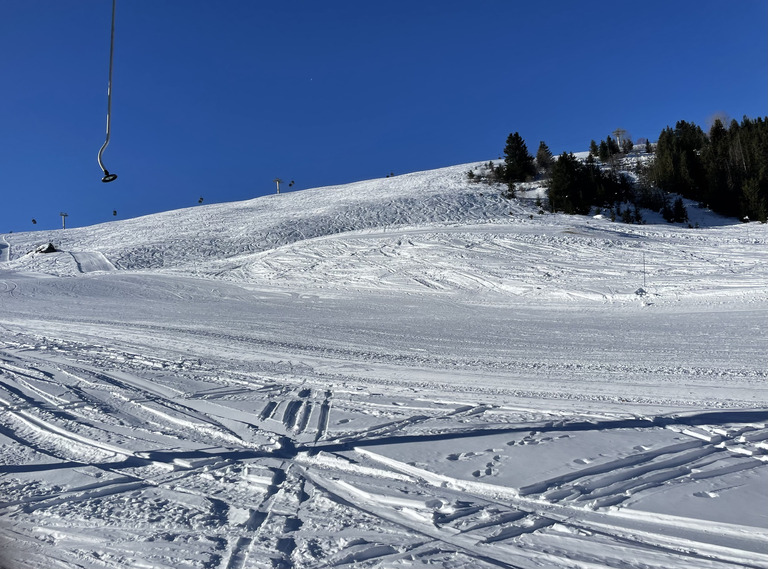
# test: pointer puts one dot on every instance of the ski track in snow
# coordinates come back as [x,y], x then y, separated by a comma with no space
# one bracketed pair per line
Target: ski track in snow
[184,463]
[395,373]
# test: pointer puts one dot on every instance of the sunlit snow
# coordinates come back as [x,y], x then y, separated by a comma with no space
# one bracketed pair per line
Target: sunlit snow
[405,372]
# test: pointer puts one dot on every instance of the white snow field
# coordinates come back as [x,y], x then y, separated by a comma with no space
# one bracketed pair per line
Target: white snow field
[404,372]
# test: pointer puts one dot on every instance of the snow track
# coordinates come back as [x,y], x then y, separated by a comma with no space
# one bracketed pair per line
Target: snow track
[260,486]
[393,374]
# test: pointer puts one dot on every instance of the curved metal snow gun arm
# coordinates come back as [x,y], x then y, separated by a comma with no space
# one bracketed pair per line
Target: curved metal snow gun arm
[107,176]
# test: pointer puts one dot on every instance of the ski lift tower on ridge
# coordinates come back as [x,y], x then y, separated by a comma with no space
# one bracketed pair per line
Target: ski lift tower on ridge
[278,181]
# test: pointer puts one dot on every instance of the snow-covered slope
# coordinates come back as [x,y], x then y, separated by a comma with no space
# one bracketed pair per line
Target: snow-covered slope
[430,229]
[405,372]
[187,236]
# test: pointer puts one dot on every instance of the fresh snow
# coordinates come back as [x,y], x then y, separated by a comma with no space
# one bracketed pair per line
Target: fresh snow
[404,372]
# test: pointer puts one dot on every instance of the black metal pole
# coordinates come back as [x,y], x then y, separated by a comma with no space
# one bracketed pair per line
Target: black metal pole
[107,176]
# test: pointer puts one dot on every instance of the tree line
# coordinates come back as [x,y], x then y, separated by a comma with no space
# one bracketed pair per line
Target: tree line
[725,170]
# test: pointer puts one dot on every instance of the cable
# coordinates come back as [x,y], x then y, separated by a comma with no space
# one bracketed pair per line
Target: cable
[107,176]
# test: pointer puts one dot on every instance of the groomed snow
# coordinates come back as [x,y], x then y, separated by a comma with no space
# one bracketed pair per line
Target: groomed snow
[404,372]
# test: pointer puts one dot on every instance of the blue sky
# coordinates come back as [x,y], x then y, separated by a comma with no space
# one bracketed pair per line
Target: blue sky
[216,98]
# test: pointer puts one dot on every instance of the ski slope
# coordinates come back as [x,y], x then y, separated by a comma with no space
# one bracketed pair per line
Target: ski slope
[404,372]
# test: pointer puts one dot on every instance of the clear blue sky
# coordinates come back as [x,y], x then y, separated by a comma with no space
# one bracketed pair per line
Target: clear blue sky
[216,98]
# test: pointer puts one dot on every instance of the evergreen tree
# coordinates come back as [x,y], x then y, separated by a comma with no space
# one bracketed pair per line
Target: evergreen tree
[613,146]
[603,152]
[544,158]
[518,162]
[679,213]
[678,167]
[663,173]
[755,200]
[666,212]
[721,190]
[569,189]
[637,215]
[726,170]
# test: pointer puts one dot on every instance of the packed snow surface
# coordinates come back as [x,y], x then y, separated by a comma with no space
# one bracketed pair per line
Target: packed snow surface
[405,372]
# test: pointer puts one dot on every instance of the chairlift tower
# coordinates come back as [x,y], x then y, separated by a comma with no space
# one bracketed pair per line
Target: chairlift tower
[278,181]
[621,136]
[63,220]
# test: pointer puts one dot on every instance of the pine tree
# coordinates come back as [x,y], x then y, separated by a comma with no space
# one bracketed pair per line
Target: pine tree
[518,162]
[613,146]
[593,151]
[679,213]
[755,200]
[570,187]
[722,190]
[678,166]
[603,152]
[544,158]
